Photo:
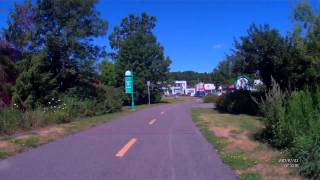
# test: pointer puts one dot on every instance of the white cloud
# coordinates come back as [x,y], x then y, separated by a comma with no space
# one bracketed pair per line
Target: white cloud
[217,46]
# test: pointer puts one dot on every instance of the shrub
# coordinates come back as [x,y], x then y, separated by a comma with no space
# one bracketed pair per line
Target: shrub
[60,116]
[34,119]
[307,150]
[109,99]
[239,102]
[273,109]
[293,122]
[10,119]
[87,107]
[303,123]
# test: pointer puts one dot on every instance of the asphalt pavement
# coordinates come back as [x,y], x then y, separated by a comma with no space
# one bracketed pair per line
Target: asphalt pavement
[157,143]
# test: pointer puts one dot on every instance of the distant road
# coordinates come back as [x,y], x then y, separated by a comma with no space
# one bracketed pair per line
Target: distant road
[158,143]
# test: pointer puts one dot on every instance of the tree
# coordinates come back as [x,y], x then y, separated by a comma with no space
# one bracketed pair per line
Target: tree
[142,55]
[8,74]
[36,85]
[266,51]
[8,71]
[129,26]
[66,29]
[63,55]
[225,73]
[306,37]
[136,49]
[107,73]
[21,28]
[191,77]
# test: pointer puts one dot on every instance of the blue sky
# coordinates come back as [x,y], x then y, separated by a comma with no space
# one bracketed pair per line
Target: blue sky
[196,34]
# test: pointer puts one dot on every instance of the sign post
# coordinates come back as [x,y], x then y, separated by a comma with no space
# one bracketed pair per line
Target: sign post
[148,84]
[129,87]
[242,83]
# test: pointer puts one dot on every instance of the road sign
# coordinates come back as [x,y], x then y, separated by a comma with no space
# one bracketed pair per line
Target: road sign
[129,86]
[242,83]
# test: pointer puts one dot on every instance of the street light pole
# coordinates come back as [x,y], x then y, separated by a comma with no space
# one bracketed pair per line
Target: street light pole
[148,84]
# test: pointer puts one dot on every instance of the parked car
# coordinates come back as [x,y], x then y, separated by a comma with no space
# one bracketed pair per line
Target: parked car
[200,94]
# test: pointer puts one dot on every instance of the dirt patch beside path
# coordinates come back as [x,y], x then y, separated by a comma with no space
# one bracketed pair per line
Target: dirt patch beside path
[247,156]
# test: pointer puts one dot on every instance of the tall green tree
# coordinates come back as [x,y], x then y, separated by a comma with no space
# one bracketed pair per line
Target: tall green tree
[136,49]
[66,29]
[265,51]
[63,53]
[141,54]
[8,74]
[130,26]
[225,73]
[306,37]
[107,73]
[21,28]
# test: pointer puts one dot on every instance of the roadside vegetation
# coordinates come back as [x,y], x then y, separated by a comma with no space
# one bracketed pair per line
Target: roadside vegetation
[11,144]
[51,72]
[234,137]
[289,102]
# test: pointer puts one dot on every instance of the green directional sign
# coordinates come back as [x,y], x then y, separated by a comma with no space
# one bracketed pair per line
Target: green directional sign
[128,78]
[129,84]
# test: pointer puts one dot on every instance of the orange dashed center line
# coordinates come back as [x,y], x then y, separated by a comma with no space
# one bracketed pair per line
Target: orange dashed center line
[126,147]
[152,121]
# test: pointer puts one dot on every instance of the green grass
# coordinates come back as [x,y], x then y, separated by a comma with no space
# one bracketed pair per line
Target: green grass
[173,100]
[250,176]
[237,160]
[235,129]
[218,143]
[210,99]
[21,144]
[3,154]
[83,123]
[29,142]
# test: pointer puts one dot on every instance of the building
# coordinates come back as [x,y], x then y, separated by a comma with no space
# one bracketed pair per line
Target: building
[191,91]
[209,88]
[200,87]
[179,88]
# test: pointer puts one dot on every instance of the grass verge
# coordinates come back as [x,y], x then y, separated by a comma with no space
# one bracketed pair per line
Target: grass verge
[233,137]
[11,145]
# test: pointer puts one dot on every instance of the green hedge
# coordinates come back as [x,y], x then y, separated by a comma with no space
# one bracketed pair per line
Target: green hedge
[239,102]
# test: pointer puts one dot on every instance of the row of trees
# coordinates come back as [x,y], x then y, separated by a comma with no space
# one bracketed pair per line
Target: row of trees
[292,60]
[289,66]
[47,51]
[190,76]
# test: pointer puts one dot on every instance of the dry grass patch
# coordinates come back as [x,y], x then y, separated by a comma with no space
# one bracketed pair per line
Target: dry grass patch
[49,131]
[250,158]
